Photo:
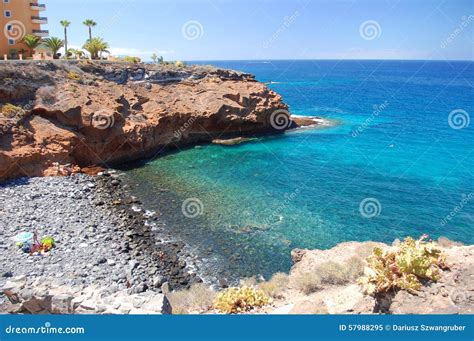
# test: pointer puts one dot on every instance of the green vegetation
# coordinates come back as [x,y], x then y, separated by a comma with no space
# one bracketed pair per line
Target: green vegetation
[54,44]
[75,53]
[130,59]
[65,24]
[11,111]
[73,76]
[96,46]
[239,300]
[404,267]
[31,42]
[90,23]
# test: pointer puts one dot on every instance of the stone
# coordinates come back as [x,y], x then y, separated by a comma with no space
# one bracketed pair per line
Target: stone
[62,304]
[159,304]
[158,280]
[309,307]
[165,288]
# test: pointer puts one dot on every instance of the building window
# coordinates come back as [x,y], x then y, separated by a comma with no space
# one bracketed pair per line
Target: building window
[8,14]
[9,28]
[11,41]
[6,1]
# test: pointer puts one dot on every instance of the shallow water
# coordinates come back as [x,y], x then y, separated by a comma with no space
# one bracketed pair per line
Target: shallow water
[394,148]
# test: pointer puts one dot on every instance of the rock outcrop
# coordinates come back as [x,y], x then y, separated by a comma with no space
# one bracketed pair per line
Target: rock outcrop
[67,114]
[452,294]
[46,298]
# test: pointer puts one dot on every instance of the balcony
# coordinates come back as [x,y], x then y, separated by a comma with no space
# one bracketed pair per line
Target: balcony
[41,33]
[39,20]
[37,7]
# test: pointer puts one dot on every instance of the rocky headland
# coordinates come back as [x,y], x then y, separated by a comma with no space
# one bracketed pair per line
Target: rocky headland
[83,113]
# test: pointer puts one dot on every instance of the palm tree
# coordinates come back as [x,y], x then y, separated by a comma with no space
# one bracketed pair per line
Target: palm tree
[90,23]
[95,47]
[65,24]
[54,44]
[75,53]
[31,42]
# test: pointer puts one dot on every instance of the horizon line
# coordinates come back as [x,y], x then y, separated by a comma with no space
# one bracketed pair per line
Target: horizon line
[326,59]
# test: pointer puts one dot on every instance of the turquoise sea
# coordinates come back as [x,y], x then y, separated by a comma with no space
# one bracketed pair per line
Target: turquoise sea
[400,162]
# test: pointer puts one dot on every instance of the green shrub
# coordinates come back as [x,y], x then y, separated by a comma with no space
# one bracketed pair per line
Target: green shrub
[131,59]
[238,300]
[404,267]
[73,76]
[12,111]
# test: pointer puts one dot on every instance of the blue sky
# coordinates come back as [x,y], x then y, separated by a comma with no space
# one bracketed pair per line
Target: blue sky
[276,29]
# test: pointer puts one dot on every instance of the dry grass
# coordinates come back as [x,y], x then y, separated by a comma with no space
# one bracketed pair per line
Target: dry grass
[328,273]
[198,297]
[275,286]
[248,282]
[445,242]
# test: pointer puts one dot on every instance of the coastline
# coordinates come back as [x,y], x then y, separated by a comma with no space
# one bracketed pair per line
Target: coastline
[104,239]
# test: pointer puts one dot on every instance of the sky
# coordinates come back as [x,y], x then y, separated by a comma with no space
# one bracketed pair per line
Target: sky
[273,29]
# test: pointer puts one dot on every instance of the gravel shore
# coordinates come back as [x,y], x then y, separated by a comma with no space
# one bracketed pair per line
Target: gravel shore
[103,236]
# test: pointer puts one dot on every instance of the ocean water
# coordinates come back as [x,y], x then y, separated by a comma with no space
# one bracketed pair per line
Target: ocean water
[397,164]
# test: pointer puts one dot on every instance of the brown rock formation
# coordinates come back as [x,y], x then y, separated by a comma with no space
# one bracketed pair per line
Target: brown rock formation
[84,113]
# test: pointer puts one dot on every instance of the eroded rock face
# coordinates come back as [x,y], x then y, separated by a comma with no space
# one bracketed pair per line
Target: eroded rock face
[84,113]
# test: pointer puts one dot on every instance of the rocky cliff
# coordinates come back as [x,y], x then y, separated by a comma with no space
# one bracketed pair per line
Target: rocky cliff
[86,113]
